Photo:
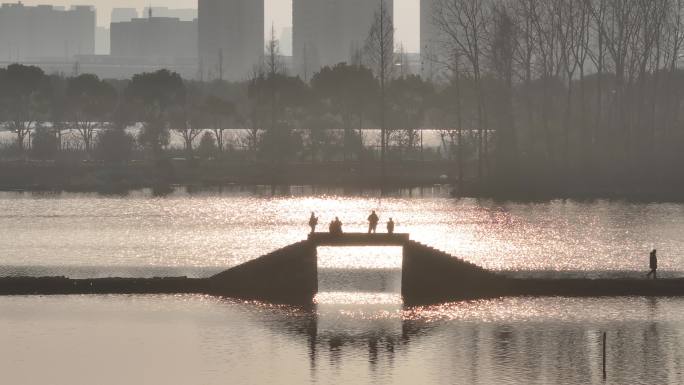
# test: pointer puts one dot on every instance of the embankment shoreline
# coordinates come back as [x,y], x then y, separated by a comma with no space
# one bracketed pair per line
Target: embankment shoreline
[507,287]
[120,179]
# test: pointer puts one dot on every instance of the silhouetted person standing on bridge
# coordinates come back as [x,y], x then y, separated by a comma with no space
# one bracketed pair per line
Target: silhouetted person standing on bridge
[373,222]
[390,226]
[313,221]
[653,264]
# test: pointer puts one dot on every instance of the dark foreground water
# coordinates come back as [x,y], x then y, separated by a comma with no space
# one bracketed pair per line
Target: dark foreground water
[358,332]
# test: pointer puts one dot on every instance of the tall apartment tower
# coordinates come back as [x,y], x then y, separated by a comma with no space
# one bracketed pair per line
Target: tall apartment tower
[328,32]
[124,14]
[184,14]
[165,39]
[231,38]
[44,32]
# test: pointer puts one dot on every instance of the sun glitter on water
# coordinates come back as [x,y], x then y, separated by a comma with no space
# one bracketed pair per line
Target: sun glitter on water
[360,298]
[359,257]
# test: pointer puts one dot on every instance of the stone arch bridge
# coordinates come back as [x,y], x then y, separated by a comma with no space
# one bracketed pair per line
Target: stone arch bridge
[290,274]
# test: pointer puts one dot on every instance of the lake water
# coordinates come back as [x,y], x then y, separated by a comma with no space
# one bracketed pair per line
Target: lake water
[204,232]
[358,331]
[169,340]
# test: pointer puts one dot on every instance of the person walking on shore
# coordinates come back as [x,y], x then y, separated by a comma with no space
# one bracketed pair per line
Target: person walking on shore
[390,226]
[653,264]
[373,222]
[313,221]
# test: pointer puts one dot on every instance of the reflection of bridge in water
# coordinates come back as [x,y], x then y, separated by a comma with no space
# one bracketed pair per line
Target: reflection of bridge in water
[290,274]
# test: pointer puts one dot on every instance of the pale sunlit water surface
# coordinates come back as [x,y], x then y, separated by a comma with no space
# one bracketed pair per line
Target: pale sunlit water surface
[357,331]
[201,233]
[173,340]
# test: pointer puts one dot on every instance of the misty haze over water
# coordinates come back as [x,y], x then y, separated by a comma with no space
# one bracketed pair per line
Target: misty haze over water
[358,328]
[519,149]
[201,232]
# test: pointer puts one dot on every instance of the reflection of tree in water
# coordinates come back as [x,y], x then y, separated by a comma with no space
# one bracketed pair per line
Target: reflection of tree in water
[482,352]
[335,346]
[373,351]
[571,348]
[638,352]
[503,343]
[532,361]
[649,350]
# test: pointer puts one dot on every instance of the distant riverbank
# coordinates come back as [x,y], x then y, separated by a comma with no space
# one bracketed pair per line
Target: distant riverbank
[161,176]
[505,287]
[98,177]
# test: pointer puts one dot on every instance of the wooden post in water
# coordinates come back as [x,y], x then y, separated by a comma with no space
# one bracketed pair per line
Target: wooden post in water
[604,355]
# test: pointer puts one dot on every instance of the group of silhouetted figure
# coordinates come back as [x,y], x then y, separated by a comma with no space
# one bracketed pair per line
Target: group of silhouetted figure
[335,226]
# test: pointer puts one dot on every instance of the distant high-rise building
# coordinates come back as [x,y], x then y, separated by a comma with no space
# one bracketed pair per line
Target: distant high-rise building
[431,42]
[184,14]
[286,41]
[327,32]
[231,38]
[102,41]
[164,38]
[45,32]
[124,14]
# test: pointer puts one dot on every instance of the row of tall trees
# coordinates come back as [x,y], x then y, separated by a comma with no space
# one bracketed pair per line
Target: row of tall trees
[566,87]
[272,115]
[545,89]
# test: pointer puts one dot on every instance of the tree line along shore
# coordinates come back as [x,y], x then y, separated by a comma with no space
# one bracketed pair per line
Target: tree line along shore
[528,98]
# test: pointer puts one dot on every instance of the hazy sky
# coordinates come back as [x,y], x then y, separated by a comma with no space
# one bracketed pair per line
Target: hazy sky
[279,11]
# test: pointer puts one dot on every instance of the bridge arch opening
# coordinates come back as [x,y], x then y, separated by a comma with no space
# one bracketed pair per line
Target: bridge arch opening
[359,274]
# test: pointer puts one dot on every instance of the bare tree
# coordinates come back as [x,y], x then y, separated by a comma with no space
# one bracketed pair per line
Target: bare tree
[456,70]
[674,41]
[188,125]
[650,56]
[273,68]
[24,100]
[568,25]
[464,26]
[251,114]
[220,114]
[502,48]
[90,103]
[619,31]
[447,56]
[524,59]
[580,55]
[545,24]
[597,54]
[379,53]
